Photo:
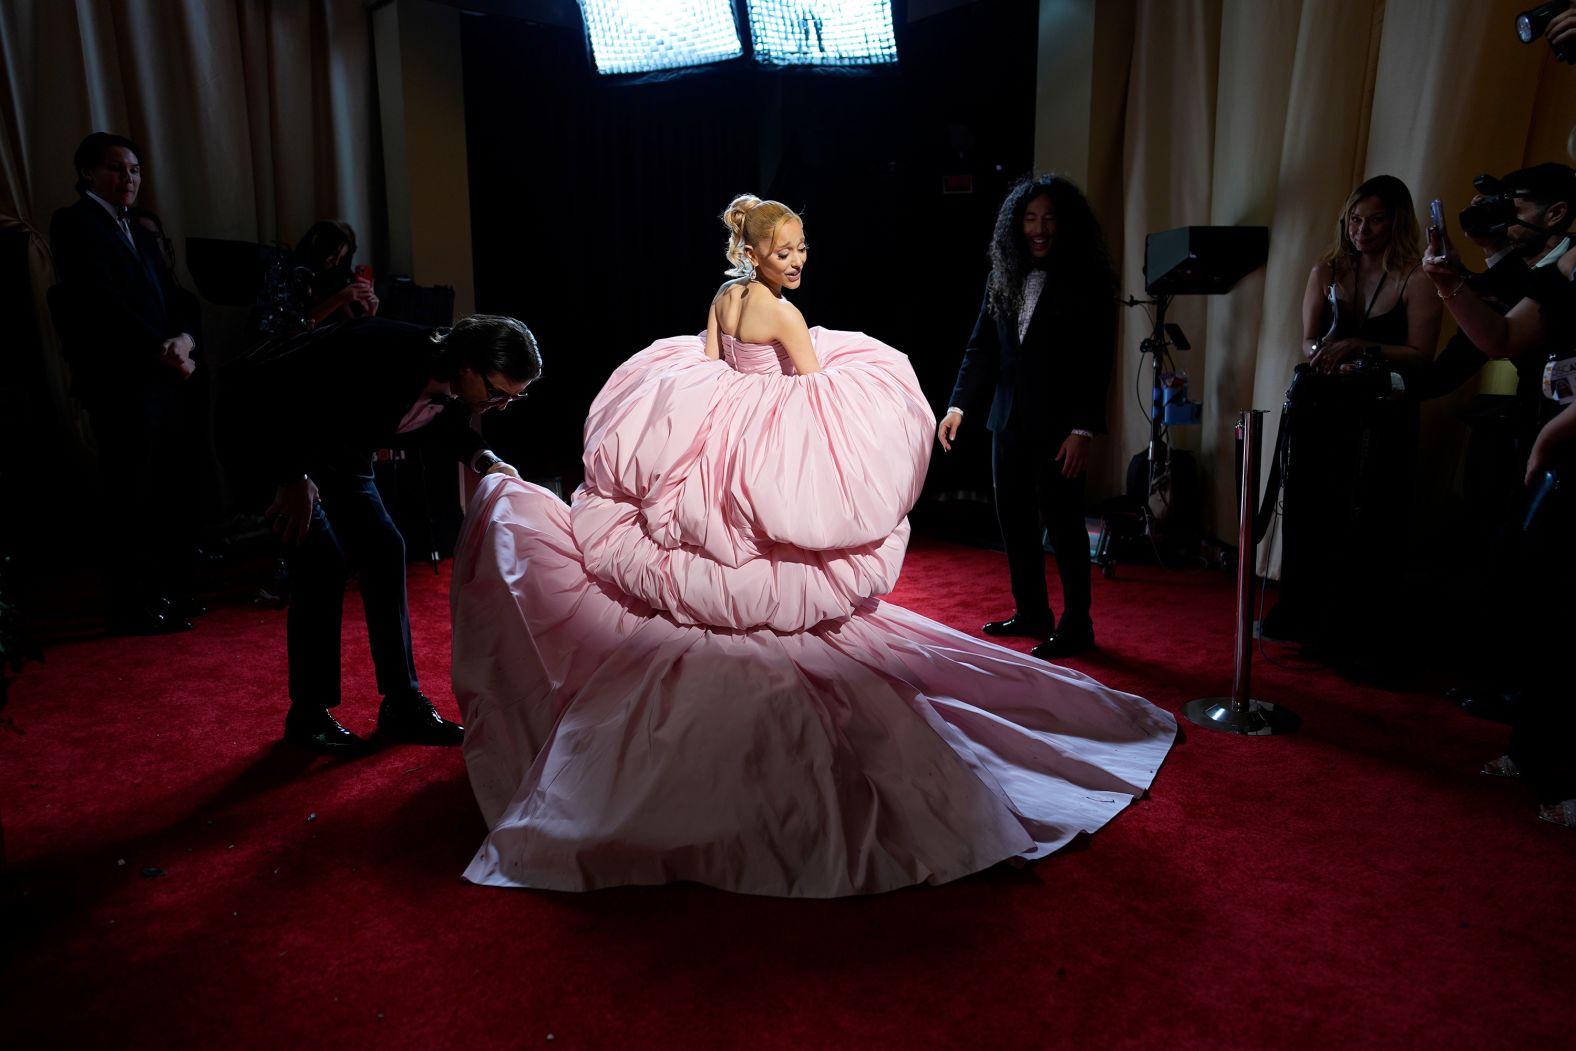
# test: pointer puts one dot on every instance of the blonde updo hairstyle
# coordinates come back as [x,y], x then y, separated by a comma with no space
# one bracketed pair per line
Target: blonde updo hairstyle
[754,222]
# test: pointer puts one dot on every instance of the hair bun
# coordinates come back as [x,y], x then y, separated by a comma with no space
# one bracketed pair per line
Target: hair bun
[740,207]
[751,220]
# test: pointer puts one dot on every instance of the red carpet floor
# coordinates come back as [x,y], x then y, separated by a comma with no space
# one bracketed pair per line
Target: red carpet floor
[178,879]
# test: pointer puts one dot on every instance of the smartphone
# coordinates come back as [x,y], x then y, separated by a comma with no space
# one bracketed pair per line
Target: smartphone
[1437,211]
[361,272]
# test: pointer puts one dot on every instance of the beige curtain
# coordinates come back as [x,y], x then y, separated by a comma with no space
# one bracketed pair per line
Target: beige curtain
[256,117]
[1268,112]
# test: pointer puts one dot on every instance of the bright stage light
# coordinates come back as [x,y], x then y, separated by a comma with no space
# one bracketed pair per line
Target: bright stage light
[641,36]
[823,32]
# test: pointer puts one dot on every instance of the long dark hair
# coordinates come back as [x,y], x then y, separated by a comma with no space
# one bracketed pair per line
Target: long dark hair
[1078,252]
[321,238]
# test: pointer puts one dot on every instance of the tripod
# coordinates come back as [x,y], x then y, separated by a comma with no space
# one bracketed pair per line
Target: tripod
[1159,453]
[1190,260]
[1157,466]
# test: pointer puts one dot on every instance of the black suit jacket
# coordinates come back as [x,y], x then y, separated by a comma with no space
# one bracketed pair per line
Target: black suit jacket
[339,389]
[1055,380]
[113,307]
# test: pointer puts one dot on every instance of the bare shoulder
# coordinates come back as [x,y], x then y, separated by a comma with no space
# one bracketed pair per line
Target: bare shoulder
[789,318]
[1419,288]
[1415,278]
[731,290]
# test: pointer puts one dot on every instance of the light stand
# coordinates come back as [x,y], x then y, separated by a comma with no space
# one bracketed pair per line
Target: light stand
[1158,459]
[1189,260]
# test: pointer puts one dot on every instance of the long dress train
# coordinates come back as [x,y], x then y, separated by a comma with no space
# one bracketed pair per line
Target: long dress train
[688,674]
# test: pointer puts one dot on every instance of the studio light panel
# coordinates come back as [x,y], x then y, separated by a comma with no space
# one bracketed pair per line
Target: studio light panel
[822,32]
[642,36]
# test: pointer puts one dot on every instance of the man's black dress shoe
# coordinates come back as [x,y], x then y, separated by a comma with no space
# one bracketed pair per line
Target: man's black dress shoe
[1022,627]
[183,607]
[1489,704]
[142,620]
[1067,642]
[411,717]
[316,729]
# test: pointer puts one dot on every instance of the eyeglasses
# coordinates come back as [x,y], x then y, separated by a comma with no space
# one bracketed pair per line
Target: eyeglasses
[500,397]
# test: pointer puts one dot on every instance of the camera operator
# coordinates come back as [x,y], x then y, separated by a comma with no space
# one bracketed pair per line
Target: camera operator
[1543,737]
[1496,220]
[1542,197]
[1349,436]
[1488,222]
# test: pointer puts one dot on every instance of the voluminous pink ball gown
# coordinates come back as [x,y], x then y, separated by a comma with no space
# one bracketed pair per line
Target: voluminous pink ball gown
[689,674]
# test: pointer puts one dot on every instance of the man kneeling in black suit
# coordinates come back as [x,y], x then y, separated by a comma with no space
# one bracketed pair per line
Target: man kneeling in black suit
[304,417]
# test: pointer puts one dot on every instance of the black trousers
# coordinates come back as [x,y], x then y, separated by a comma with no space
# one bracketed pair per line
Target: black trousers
[150,451]
[1347,478]
[1031,490]
[1543,736]
[350,528]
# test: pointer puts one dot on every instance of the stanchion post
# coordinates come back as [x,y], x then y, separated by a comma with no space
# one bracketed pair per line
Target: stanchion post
[1240,713]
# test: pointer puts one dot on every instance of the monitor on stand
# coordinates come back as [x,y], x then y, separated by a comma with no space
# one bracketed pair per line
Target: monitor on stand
[1190,260]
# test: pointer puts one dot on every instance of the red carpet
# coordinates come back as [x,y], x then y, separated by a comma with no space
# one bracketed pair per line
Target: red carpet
[177,879]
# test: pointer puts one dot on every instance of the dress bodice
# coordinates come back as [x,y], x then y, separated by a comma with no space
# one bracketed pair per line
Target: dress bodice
[766,358]
[1352,321]
[1387,328]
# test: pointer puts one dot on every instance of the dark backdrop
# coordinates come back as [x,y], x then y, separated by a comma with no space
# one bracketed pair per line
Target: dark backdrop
[595,202]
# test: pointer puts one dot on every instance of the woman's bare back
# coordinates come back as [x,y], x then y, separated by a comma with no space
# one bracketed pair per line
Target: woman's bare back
[748,312]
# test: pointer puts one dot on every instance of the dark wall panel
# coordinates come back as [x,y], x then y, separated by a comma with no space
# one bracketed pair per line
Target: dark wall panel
[595,202]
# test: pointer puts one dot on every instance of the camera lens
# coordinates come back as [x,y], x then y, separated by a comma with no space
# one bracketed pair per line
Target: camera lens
[1525,29]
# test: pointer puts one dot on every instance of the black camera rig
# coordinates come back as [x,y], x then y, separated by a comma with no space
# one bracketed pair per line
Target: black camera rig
[1494,211]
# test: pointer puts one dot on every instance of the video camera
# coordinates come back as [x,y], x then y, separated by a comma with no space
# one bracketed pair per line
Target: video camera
[1493,212]
[1495,209]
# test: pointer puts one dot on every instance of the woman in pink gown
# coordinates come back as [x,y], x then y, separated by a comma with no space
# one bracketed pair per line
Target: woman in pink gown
[688,673]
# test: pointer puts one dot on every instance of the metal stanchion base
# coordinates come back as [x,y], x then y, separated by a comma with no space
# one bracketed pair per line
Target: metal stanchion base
[1261,719]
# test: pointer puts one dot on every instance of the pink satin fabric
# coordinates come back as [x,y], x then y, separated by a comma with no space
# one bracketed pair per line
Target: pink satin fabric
[688,674]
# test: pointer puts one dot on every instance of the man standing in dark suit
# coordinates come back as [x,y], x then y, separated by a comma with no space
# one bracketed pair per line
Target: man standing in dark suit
[128,331]
[300,420]
[1042,348]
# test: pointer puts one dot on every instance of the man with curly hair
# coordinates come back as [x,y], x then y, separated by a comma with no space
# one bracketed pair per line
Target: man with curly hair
[1042,348]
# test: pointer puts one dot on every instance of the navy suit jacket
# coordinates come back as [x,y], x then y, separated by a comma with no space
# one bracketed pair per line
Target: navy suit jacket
[1055,380]
[114,307]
